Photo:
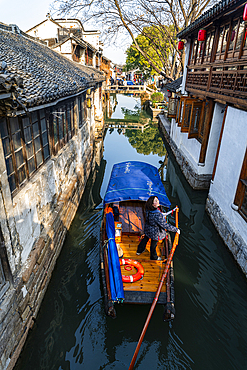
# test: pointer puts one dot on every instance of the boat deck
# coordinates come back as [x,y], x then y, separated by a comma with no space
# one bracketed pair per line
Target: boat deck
[142,291]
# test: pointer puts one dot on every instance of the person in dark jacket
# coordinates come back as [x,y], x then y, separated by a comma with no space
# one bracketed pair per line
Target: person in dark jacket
[155,228]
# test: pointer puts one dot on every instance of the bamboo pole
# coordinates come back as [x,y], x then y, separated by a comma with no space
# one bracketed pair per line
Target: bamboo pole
[166,269]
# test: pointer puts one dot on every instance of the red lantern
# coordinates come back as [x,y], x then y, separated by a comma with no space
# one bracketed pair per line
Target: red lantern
[245,13]
[169,94]
[180,45]
[202,35]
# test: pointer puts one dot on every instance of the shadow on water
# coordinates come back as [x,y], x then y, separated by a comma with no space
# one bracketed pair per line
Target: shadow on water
[210,328]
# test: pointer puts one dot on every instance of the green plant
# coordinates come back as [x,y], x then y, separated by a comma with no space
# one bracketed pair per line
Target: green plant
[157,97]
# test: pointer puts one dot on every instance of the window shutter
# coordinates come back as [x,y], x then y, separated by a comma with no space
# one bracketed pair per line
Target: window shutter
[187,114]
[197,115]
[181,109]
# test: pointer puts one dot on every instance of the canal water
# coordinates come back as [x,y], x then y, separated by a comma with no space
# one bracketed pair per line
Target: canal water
[210,329]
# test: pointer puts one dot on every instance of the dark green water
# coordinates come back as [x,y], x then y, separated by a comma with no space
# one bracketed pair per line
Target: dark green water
[210,328]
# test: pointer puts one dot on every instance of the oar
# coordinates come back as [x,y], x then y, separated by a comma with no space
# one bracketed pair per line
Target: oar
[166,269]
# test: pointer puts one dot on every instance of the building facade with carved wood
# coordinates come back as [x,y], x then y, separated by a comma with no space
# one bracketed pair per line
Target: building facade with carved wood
[48,116]
[208,131]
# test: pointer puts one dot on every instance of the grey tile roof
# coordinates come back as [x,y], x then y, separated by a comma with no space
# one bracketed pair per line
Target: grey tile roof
[211,14]
[174,85]
[46,75]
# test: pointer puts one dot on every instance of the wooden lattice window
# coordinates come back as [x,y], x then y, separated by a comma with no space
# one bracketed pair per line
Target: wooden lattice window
[172,107]
[25,144]
[196,119]
[63,127]
[187,114]
[241,193]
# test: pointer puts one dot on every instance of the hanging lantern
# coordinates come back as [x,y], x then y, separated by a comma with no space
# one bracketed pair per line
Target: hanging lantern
[88,91]
[89,102]
[245,13]
[180,45]
[202,35]
[169,94]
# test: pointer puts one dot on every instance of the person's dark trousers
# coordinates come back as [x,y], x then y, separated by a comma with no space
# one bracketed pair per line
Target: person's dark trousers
[153,254]
[142,246]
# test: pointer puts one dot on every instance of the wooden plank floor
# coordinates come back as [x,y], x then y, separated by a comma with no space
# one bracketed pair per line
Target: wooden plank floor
[153,269]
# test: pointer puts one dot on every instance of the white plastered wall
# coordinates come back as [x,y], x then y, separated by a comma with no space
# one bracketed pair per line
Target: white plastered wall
[191,148]
[230,160]
[45,30]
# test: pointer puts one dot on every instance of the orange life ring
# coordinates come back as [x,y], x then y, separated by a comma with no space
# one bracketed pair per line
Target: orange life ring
[137,265]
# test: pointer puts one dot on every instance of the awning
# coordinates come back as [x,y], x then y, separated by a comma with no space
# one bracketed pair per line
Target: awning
[135,181]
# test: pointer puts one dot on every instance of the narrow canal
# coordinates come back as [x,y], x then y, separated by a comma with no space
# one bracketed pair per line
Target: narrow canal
[210,328]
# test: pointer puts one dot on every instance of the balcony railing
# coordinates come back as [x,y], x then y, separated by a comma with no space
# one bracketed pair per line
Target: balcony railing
[227,81]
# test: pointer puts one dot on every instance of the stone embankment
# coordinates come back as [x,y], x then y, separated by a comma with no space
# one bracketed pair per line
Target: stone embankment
[23,300]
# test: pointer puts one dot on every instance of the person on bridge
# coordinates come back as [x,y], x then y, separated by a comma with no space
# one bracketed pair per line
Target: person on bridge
[155,228]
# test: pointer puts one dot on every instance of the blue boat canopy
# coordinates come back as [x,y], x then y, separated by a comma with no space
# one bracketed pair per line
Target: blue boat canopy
[135,181]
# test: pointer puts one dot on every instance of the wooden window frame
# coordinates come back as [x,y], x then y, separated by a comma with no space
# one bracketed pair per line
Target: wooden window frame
[241,192]
[180,112]
[59,120]
[187,114]
[192,133]
[208,113]
[31,138]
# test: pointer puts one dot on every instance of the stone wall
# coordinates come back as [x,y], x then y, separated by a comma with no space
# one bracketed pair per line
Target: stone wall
[228,233]
[34,224]
[22,301]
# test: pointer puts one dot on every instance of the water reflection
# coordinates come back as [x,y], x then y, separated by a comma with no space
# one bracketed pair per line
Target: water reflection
[210,328]
[124,112]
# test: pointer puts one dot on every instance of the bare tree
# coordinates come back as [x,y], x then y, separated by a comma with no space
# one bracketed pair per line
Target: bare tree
[135,17]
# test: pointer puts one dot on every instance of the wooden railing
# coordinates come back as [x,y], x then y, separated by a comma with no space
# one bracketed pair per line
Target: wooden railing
[223,80]
[128,88]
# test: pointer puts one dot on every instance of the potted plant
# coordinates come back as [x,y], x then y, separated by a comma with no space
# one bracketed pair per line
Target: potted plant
[156,98]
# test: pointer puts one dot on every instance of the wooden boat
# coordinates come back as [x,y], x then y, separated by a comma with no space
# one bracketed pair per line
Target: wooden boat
[130,185]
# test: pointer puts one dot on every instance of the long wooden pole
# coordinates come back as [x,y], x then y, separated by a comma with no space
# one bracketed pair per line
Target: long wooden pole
[166,269]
